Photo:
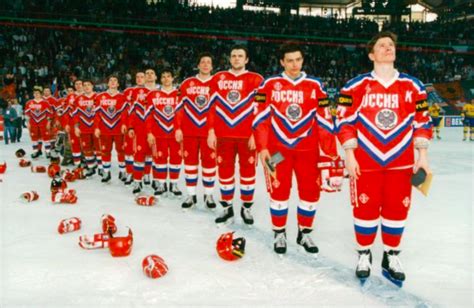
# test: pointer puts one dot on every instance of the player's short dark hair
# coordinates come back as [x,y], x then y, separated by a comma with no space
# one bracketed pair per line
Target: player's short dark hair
[204,55]
[88,80]
[288,48]
[77,80]
[240,47]
[166,70]
[370,44]
[112,76]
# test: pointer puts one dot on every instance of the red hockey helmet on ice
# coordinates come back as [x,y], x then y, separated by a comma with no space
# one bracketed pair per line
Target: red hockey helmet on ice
[24,163]
[53,169]
[230,249]
[121,246]
[3,167]
[154,266]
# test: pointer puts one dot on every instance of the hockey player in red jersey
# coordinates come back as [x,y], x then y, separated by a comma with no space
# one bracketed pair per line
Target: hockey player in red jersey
[138,113]
[382,118]
[55,107]
[68,124]
[83,122]
[230,133]
[293,121]
[110,125]
[191,131]
[166,150]
[38,114]
[128,143]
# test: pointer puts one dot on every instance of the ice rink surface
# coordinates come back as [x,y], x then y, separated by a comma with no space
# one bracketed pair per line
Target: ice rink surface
[41,268]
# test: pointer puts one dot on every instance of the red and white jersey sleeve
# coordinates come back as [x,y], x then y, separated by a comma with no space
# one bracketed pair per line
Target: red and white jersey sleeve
[138,110]
[233,107]
[68,108]
[110,114]
[84,112]
[163,104]
[39,112]
[381,120]
[194,104]
[291,113]
[128,93]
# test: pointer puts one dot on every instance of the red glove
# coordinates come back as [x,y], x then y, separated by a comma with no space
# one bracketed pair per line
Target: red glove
[332,172]
[29,196]
[24,163]
[79,173]
[69,225]
[38,169]
[145,200]
[68,176]
[67,196]
[97,241]
[108,224]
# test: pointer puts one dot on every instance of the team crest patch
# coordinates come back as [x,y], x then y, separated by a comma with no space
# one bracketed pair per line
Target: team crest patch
[363,198]
[386,119]
[294,112]
[89,109]
[201,100]
[111,109]
[168,110]
[233,96]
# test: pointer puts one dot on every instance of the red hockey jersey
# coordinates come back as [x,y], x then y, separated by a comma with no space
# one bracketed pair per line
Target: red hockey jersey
[68,108]
[195,102]
[138,110]
[293,114]
[84,113]
[384,118]
[110,114]
[161,116]
[39,112]
[232,103]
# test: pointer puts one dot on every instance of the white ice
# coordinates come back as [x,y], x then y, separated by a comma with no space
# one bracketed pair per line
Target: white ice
[41,268]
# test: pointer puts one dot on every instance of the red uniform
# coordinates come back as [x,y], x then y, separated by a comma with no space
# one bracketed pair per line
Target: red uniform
[293,118]
[166,151]
[83,118]
[56,105]
[39,114]
[191,118]
[231,118]
[67,120]
[138,113]
[128,142]
[109,118]
[382,122]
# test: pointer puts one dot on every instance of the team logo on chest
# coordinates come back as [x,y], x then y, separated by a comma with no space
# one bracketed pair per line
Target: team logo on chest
[168,110]
[111,109]
[233,96]
[386,119]
[294,112]
[201,100]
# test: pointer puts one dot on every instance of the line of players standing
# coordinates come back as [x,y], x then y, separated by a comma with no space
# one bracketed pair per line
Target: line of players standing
[210,120]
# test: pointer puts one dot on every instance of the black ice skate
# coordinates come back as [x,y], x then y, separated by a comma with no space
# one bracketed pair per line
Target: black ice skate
[227,216]
[122,176]
[160,188]
[392,267]
[364,265]
[90,172]
[36,154]
[174,190]
[279,242]
[189,203]
[146,180]
[304,239]
[137,187]
[128,180]
[48,155]
[106,177]
[209,202]
[246,214]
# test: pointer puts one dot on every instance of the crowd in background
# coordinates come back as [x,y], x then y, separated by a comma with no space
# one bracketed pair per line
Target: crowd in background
[37,55]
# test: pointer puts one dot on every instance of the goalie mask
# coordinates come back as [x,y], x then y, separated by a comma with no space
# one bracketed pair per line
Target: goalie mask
[230,249]
[121,246]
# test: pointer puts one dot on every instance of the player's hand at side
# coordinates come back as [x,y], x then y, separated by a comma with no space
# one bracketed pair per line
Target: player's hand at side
[151,139]
[422,161]
[251,144]
[352,165]
[212,139]
[264,156]
[97,133]
[178,135]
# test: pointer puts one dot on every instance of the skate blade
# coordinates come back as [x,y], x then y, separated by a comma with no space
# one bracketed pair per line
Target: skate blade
[223,224]
[396,282]
[303,251]
[362,281]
